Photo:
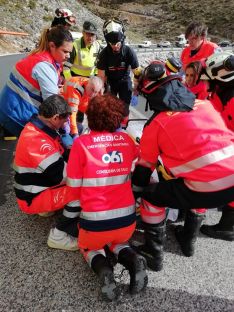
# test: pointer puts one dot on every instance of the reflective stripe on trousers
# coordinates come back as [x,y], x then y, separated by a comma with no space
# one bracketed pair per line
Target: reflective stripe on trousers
[151,213]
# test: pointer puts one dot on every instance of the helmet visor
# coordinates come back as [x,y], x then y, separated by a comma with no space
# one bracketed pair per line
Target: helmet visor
[114,37]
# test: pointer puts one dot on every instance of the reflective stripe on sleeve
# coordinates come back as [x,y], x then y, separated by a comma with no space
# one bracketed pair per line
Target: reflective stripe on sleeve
[49,161]
[205,160]
[45,163]
[70,214]
[25,83]
[73,101]
[109,214]
[211,186]
[73,109]
[30,188]
[23,94]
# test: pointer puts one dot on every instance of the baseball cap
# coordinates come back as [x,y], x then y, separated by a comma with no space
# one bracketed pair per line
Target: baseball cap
[90,27]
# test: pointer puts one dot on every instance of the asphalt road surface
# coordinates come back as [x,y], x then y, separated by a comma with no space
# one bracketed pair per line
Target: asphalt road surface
[35,278]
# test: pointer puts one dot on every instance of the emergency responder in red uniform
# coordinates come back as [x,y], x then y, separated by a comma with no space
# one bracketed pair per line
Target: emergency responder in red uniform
[220,70]
[40,172]
[198,47]
[77,91]
[196,148]
[99,170]
[192,80]
[114,63]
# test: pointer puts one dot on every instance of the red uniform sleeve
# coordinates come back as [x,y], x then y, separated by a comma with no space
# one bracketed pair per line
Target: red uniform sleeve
[75,168]
[149,149]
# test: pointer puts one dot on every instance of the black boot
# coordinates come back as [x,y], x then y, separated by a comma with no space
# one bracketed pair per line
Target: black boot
[152,250]
[224,229]
[187,235]
[104,271]
[69,224]
[136,266]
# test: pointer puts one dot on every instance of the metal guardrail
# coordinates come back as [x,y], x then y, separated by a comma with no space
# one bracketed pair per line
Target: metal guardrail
[155,49]
[145,55]
[169,49]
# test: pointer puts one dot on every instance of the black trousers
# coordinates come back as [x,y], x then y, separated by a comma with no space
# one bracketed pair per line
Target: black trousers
[174,193]
[80,117]
[122,88]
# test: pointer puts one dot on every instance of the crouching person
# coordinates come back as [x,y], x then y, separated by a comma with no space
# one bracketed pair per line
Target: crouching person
[40,172]
[196,148]
[99,170]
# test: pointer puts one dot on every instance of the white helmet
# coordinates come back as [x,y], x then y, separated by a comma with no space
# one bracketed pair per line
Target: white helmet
[63,17]
[220,66]
[113,30]
[63,13]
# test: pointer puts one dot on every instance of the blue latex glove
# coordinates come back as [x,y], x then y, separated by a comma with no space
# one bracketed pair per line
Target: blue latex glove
[67,140]
[134,100]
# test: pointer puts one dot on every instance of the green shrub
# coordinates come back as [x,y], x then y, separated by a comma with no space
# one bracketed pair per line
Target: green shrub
[32,4]
[47,18]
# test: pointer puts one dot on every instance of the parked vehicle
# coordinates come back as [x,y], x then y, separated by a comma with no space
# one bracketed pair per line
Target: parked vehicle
[164,44]
[181,41]
[225,43]
[145,44]
[76,35]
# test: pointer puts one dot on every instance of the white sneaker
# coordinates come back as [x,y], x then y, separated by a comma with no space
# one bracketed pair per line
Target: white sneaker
[61,240]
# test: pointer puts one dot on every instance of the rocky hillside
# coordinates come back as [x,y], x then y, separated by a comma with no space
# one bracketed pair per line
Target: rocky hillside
[165,19]
[31,16]
[156,20]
